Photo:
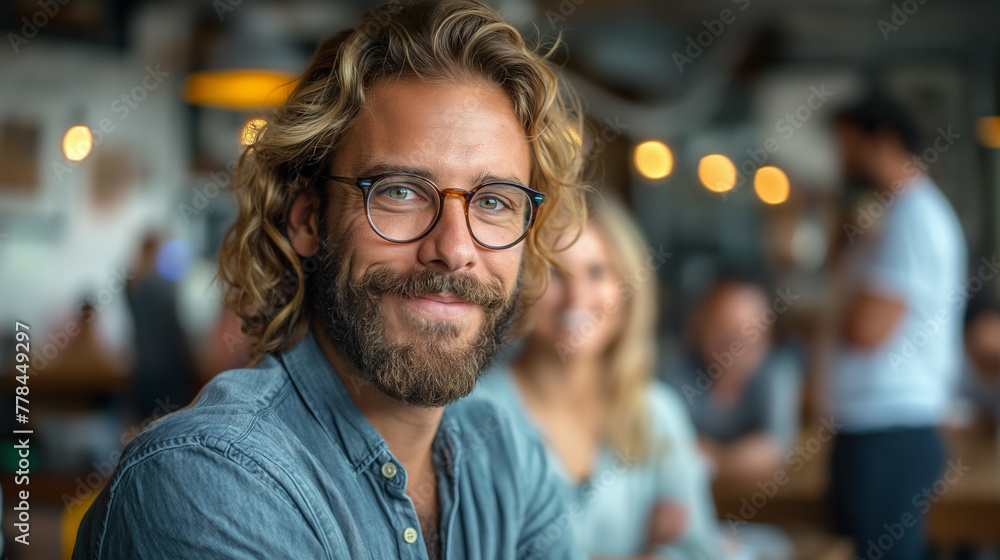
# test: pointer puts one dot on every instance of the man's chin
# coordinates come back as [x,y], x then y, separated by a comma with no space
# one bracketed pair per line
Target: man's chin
[424,375]
[442,337]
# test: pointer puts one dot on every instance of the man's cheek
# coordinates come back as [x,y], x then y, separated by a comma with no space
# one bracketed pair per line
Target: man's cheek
[344,246]
[348,219]
[507,268]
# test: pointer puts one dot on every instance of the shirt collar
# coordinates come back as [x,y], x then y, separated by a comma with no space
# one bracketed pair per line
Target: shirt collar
[330,403]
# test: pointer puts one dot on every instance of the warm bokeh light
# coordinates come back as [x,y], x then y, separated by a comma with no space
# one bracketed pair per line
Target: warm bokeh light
[238,89]
[771,185]
[77,143]
[717,173]
[250,130]
[988,131]
[653,159]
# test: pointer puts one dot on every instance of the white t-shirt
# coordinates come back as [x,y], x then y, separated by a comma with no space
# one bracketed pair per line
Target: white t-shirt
[919,255]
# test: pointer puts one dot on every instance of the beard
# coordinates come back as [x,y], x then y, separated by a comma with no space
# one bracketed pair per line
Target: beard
[436,369]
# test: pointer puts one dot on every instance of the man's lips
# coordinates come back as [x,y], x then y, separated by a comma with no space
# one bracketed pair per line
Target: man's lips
[445,307]
[443,298]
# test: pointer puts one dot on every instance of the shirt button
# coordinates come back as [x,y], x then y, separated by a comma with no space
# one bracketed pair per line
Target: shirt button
[410,535]
[389,470]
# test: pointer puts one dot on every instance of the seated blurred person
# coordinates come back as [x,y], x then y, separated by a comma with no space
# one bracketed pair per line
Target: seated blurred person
[980,385]
[583,381]
[743,396]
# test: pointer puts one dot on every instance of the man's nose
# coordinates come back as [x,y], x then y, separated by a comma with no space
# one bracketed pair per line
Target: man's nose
[449,246]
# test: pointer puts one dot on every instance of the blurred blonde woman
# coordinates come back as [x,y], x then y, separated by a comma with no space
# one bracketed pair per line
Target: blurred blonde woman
[583,382]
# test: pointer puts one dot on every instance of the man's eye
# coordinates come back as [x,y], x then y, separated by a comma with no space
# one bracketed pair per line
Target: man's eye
[399,193]
[491,203]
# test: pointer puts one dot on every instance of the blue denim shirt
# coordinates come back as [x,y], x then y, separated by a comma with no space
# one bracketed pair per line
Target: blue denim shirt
[276,462]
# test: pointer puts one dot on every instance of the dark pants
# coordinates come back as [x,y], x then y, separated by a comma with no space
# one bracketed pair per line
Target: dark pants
[877,490]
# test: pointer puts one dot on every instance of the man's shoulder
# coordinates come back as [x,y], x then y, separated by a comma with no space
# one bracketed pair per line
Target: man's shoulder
[925,205]
[255,387]
[178,482]
[219,449]
[924,227]
[228,410]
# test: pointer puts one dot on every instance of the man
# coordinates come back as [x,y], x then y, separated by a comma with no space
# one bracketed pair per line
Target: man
[743,394]
[384,242]
[899,347]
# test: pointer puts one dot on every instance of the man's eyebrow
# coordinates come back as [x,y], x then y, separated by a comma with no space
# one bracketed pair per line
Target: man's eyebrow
[485,177]
[479,179]
[384,167]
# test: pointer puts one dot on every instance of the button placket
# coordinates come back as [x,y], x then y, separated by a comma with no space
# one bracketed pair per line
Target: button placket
[393,477]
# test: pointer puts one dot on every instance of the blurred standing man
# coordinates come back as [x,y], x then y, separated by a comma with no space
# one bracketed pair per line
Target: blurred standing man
[899,347]
[384,239]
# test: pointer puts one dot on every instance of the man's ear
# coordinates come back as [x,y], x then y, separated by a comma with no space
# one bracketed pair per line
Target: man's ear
[303,218]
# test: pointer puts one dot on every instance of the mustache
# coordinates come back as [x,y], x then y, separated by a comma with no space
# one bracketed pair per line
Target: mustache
[420,282]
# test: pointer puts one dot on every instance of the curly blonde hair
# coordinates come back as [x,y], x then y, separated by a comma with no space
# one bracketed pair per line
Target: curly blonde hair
[262,277]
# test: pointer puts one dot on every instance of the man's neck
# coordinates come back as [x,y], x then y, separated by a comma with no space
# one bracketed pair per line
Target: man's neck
[408,430]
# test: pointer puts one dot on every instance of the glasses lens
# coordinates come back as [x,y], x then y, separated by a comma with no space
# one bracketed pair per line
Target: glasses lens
[401,208]
[499,214]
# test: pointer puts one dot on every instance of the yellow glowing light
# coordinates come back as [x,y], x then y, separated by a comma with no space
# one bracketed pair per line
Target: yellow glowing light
[717,173]
[653,159]
[77,143]
[771,185]
[988,131]
[250,130]
[238,89]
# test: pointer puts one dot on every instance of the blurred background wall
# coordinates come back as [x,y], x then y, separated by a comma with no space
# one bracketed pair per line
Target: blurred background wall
[108,233]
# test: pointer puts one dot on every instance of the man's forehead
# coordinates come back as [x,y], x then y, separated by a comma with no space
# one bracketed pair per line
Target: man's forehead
[436,130]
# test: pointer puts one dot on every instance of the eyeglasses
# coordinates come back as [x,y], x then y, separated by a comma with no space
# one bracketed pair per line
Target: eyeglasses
[404,208]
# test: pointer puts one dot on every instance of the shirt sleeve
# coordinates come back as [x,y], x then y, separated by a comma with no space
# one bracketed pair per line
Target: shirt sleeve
[913,257]
[683,478]
[194,502]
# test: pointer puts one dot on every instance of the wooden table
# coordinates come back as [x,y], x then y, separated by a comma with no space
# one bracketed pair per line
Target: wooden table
[968,511]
